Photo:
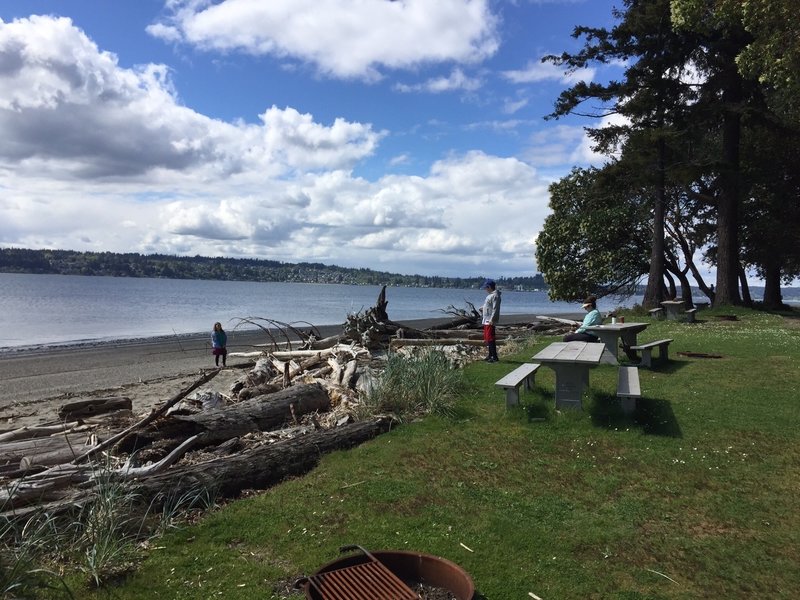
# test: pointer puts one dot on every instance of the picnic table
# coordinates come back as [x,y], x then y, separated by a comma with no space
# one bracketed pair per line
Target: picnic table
[611,333]
[571,362]
[673,309]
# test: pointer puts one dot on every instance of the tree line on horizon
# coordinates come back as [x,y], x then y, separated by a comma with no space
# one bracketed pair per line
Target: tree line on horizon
[132,264]
[702,135]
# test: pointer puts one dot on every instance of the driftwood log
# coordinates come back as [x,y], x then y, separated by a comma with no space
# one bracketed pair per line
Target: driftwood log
[373,327]
[261,413]
[96,406]
[398,343]
[254,468]
[262,466]
[117,438]
[24,454]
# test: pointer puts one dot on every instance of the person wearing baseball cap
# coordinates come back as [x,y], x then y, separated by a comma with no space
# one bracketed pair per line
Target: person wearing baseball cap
[491,315]
[593,317]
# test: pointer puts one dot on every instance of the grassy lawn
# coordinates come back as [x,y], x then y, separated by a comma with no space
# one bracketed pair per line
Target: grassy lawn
[697,495]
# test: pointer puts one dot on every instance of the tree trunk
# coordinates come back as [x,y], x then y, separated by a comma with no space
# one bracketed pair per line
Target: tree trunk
[773,298]
[727,291]
[747,299]
[653,295]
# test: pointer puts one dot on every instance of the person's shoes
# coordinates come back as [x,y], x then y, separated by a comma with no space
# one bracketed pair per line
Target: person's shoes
[490,359]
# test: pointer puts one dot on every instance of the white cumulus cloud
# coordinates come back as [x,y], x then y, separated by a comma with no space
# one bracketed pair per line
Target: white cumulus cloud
[341,38]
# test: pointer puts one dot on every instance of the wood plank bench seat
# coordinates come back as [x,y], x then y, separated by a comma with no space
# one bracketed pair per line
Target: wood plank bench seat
[511,383]
[628,388]
[690,315]
[656,313]
[647,351]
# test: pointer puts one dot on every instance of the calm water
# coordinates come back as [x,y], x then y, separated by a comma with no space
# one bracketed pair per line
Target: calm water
[40,310]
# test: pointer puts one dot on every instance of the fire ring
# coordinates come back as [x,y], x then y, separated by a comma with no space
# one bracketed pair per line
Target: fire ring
[386,573]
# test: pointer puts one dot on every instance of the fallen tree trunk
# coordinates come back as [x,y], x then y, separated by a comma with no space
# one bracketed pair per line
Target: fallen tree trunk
[558,320]
[397,343]
[26,433]
[71,443]
[255,468]
[96,406]
[259,467]
[114,439]
[261,413]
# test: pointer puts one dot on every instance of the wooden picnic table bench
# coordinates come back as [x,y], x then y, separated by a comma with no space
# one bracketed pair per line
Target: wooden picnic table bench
[656,313]
[525,373]
[628,388]
[690,315]
[647,350]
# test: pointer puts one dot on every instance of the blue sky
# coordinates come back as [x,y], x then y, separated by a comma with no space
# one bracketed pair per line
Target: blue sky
[406,136]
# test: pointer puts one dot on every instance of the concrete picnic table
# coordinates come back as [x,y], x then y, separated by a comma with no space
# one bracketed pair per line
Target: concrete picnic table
[609,334]
[571,362]
[673,309]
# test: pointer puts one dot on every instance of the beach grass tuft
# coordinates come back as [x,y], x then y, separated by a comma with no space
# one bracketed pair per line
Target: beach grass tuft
[412,386]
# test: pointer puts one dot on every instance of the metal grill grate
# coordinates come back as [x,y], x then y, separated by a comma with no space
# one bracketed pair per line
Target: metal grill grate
[360,582]
[364,581]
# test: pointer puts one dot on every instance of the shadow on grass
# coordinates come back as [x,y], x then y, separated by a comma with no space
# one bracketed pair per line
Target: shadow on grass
[659,366]
[652,415]
[537,412]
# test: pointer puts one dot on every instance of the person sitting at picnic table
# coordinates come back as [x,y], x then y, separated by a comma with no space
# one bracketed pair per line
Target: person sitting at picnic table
[593,317]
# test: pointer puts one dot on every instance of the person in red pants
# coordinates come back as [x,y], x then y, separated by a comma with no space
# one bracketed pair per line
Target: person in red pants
[491,315]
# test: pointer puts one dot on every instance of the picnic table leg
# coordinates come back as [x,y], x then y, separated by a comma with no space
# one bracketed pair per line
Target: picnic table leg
[609,338]
[571,381]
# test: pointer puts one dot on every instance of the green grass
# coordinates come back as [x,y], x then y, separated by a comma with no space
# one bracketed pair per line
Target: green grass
[697,495]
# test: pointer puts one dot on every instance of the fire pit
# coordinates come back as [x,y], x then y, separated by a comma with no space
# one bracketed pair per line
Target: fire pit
[386,574]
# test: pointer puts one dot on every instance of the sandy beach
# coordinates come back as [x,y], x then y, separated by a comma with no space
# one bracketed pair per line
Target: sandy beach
[36,382]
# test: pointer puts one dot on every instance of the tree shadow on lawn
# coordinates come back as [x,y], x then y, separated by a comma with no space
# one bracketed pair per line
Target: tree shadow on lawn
[652,415]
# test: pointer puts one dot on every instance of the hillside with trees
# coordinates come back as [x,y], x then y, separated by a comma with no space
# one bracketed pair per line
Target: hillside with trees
[69,262]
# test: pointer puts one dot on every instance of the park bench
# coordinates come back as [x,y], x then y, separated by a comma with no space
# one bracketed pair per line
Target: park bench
[690,314]
[656,313]
[628,388]
[647,351]
[512,382]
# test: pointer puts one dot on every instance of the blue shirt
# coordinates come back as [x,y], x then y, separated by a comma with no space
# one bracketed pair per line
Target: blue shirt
[593,317]
[218,339]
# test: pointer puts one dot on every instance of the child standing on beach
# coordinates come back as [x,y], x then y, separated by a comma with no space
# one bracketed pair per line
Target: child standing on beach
[219,339]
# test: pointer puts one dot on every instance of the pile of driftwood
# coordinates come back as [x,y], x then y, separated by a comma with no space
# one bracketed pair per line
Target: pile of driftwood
[299,399]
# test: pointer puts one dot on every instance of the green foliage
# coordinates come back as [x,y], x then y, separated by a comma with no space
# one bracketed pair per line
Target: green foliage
[412,386]
[595,240]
